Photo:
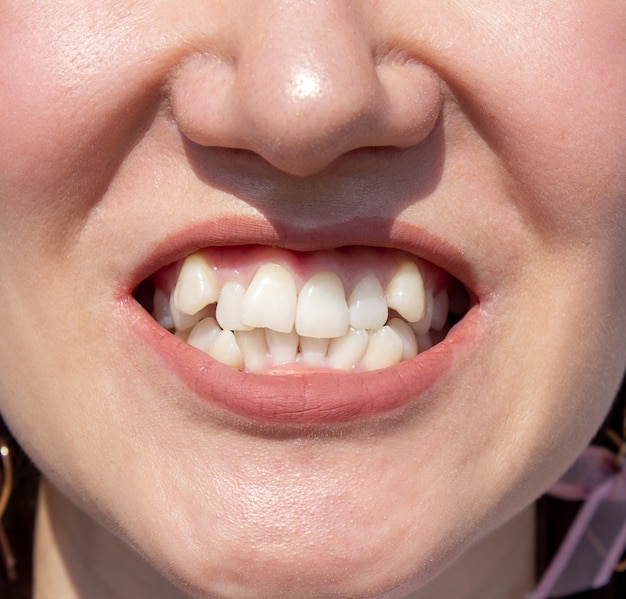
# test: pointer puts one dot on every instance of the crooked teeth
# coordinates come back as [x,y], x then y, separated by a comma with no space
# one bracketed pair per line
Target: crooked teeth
[196,287]
[367,304]
[270,324]
[230,307]
[270,301]
[322,309]
[405,292]
[384,348]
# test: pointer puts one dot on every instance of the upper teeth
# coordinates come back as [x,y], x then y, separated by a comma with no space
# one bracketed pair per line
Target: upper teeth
[270,323]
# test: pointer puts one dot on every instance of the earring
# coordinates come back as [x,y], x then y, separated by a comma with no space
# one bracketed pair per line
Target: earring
[5,494]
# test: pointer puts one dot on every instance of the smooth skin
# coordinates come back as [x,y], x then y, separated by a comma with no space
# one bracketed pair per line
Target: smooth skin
[497,127]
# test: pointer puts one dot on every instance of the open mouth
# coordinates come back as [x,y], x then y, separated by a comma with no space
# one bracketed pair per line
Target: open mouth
[266,310]
[304,336]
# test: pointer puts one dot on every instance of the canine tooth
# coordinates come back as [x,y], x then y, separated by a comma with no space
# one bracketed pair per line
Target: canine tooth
[253,347]
[407,335]
[322,308]
[367,304]
[229,307]
[270,301]
[422,326]
[405,292]
[440,310]
[344,352]
[196,286]
[203,335]
[225,350]
[313,350]
[182,321]
[283,346]
[384,348]
[161,309]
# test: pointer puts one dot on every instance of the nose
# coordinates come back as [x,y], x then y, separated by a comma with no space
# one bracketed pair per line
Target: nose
[302,83]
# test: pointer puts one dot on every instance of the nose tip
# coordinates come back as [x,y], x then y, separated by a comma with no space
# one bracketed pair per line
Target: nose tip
[300,97]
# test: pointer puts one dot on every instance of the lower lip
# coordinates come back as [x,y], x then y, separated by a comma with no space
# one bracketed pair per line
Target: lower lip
[305,398]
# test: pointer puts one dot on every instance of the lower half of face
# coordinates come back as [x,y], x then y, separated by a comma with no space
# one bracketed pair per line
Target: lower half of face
[442,325]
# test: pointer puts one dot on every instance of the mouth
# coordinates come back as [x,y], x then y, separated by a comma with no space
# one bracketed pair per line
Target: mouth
[310,336]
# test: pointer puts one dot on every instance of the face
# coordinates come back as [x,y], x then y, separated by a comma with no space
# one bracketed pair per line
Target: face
[481,143]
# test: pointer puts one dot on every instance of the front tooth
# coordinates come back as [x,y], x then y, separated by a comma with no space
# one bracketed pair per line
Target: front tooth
[405,292]
[283,346]
[385,348]
[225,350]
[344,352]
[196,286]
[322,308]
[367,304]
[270,300]
[161,309]
[313,350]
[229,307]
[407,335]
[203,335]
[254,348]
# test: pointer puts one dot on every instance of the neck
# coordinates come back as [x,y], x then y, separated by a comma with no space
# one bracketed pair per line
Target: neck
[76,558]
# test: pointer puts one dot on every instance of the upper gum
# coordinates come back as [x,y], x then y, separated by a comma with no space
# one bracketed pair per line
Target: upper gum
[351,264]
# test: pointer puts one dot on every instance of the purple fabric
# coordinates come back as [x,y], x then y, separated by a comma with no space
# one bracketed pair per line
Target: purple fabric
[596,540]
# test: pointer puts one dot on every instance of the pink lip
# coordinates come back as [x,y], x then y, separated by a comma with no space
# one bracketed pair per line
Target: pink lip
[302,398]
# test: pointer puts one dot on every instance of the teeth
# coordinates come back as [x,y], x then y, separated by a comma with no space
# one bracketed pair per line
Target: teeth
[422,326]
[367,304]
[283,346]
[196,287]
[344,352]
[226,350]
[313,350]
[161,309]
[270,301]
[407,336]
[385,348]
[405,292]
[322,308]
[184,321]
[254,348]
[203,335]
[230,306]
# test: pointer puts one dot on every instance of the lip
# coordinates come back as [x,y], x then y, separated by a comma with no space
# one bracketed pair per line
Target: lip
[308,397]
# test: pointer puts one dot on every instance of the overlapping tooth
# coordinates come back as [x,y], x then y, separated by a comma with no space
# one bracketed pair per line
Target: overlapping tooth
[407,336]
[322,308]
[283,346]
[440,310]
[230,307]
[270,300]
[367,304]
[422,326]
[405,292]
[226,350]
[161,309]
[182,321]
[313,350]
[254,348]
[424,342]
[196,286]
[384,348]
[344,352]
[203,335]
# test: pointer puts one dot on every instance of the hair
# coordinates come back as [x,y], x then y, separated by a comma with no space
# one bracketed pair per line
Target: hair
[554,517]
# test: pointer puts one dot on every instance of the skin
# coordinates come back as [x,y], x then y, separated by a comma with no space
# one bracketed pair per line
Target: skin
[119,125]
